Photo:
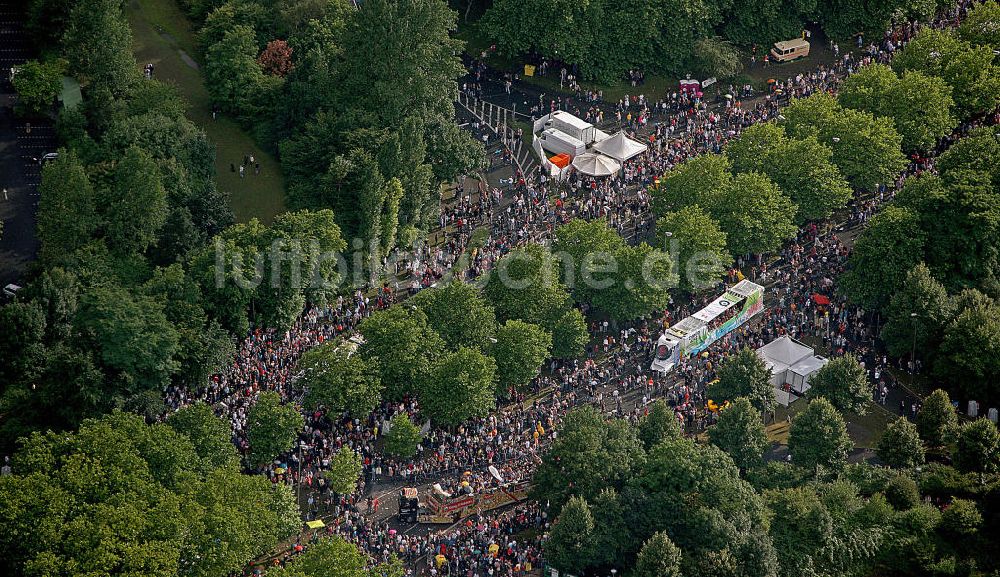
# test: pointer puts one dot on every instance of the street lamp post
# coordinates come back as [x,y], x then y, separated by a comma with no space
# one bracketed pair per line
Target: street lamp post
[298,486]
[913,350]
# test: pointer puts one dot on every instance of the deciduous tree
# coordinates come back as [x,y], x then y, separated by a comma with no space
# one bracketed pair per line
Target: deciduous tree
[818,437]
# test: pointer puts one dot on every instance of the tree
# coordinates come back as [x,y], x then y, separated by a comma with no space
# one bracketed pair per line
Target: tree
[802,528]
[977,447]
[419,66]
[459,313]
[902,491]
[272,427]
[658,425]
[717,57]
[961,518]
[520,350]
[340,381]
[98,44]
[640,284]
[345,468]
[571,540]
[866,149]
[614,539]
[659,557]
[702,254]
[921,295]
[892,244]
[525,286]
[585,248]
[589,454]
[740,433]
[132,338]
[460,387]
[209,434]
[755,215]
[233,75]
[979,25]
[334,557]
[135,204]
[744,375]
[404,347]
[67,217]
[402,438]
[698,180]
[37,85]
[900,445]
[919,105]
[844,382]
[801,167]
[276,59]
[969,70]
[119,495]
[937,420]
[818,437]
[969,354]
[569,335]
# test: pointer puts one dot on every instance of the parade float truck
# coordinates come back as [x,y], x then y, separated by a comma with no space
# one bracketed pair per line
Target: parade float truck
[439,506]
[694,334]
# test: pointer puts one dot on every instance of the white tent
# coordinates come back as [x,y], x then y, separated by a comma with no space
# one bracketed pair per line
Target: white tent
[620,147]
[791,364]
[596,165]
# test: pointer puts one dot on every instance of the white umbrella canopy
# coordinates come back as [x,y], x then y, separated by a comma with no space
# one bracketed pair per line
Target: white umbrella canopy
[596,164]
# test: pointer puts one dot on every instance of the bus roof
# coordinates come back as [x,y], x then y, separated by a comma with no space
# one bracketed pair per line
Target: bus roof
[732,297]
[791,44]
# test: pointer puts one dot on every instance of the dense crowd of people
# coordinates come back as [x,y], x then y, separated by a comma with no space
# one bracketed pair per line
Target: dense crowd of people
[614,376]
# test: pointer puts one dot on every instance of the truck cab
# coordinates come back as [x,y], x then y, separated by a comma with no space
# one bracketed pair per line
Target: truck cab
[409,505]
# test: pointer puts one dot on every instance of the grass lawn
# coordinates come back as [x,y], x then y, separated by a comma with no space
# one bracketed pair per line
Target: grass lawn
[864,430]
[160,33]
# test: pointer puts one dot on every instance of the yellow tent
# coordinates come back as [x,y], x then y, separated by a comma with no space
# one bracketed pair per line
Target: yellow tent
[317,524]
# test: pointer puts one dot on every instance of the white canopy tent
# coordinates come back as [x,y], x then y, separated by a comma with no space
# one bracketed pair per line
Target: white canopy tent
[791,364]
[620,147]
[596,165]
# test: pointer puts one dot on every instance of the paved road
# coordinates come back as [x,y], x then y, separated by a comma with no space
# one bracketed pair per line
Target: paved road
[18,175]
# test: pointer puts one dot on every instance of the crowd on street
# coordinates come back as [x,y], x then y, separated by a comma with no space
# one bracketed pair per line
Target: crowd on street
[613,376]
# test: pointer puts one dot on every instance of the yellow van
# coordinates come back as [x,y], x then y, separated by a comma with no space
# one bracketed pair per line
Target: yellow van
[788,50]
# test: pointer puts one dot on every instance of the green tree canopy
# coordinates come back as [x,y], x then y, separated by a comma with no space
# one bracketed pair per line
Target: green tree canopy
[699,180]
[458,313]
[209,434]
[740,433]
[590,453]
[755,214]
[460,386]
[339,380]
[345,468]
[937,420]
[272,427]
[977,447]
[659,425]
[921,295]
[866,149]
[67,215]
[891,245]
[520,350]
[701,246]
[403,345]
[37,85]
[121,496]
[659,557]
[801,167]
[900,445]
[818,437]
[402,437]
[744,374]
[844,382]
[570,546]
